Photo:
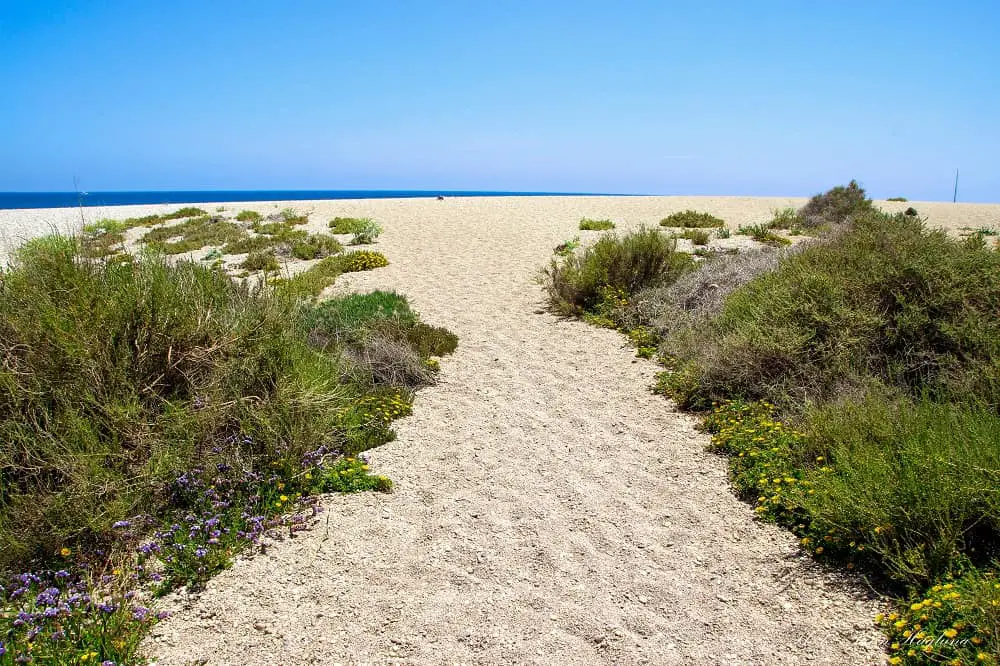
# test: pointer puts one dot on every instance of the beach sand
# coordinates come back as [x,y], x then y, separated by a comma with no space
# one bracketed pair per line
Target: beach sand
[547,508]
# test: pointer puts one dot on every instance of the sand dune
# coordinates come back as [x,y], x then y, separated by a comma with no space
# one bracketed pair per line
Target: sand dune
[548,508]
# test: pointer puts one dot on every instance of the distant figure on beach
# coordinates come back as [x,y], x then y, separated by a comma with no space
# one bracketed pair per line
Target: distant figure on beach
[440,198]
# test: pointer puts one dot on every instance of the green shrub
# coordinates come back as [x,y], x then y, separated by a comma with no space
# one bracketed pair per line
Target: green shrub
[723,232]
[347,225]
[194,234]
[915,483]
[696,236]
[316,246]
[249,216]
[106,363]
[312,282]
[250,244]
[587,224]
[366,231]
[382,335]
[628,263]
[902,199]
[292,217]
[189,211]
[785,218]
[887,298]
[356,312]
[105,226]
[362,260]
[261,261]
[762,234]
[836,206]
[690,219]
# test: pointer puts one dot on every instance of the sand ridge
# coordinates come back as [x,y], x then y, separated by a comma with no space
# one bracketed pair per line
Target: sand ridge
[548,508]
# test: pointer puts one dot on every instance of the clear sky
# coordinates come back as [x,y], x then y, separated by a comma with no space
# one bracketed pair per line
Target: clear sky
[753,97]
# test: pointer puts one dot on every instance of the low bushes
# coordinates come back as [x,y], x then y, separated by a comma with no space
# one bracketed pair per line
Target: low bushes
[382,336]
[347,225]
[261,261]
[141,396]
[249,216]
[763,234]
[194,234]
[696,236]
[628,263]
[691,219]
[785,218]
[838,205]
[586,224]
[887,299]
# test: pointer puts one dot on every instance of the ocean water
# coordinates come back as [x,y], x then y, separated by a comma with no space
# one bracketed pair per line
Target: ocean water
[72,199]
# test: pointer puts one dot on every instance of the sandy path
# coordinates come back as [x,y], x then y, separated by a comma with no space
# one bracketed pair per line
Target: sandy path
[548,508]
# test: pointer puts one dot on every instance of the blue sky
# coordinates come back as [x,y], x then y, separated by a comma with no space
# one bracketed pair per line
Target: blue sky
[751,98]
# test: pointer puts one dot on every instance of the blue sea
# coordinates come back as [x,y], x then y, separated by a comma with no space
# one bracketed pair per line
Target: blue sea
[73,199]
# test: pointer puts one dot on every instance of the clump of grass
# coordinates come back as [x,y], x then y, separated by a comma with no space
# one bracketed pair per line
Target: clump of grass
[911,211]
[723,232]
[762,234]
[293,217]
[366,231]
[105,226]
[901,199]
[345,225]
[249,244]
[691,219]
[785,218]
[836,206]
[249,216]
[261,261]
[194,234]
[189,211]
[316,246]
[696,236]
[281,228]
[627,263]
[586,224]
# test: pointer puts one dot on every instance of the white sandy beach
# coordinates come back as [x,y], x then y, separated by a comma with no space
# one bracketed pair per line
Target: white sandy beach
[548,508]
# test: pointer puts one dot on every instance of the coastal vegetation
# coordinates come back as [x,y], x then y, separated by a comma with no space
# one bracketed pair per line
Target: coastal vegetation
[691,219]
[586,224]
[159,416]
[852,380]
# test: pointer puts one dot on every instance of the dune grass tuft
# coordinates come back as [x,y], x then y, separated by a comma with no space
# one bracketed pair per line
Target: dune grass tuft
[691,219]
[586,224]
